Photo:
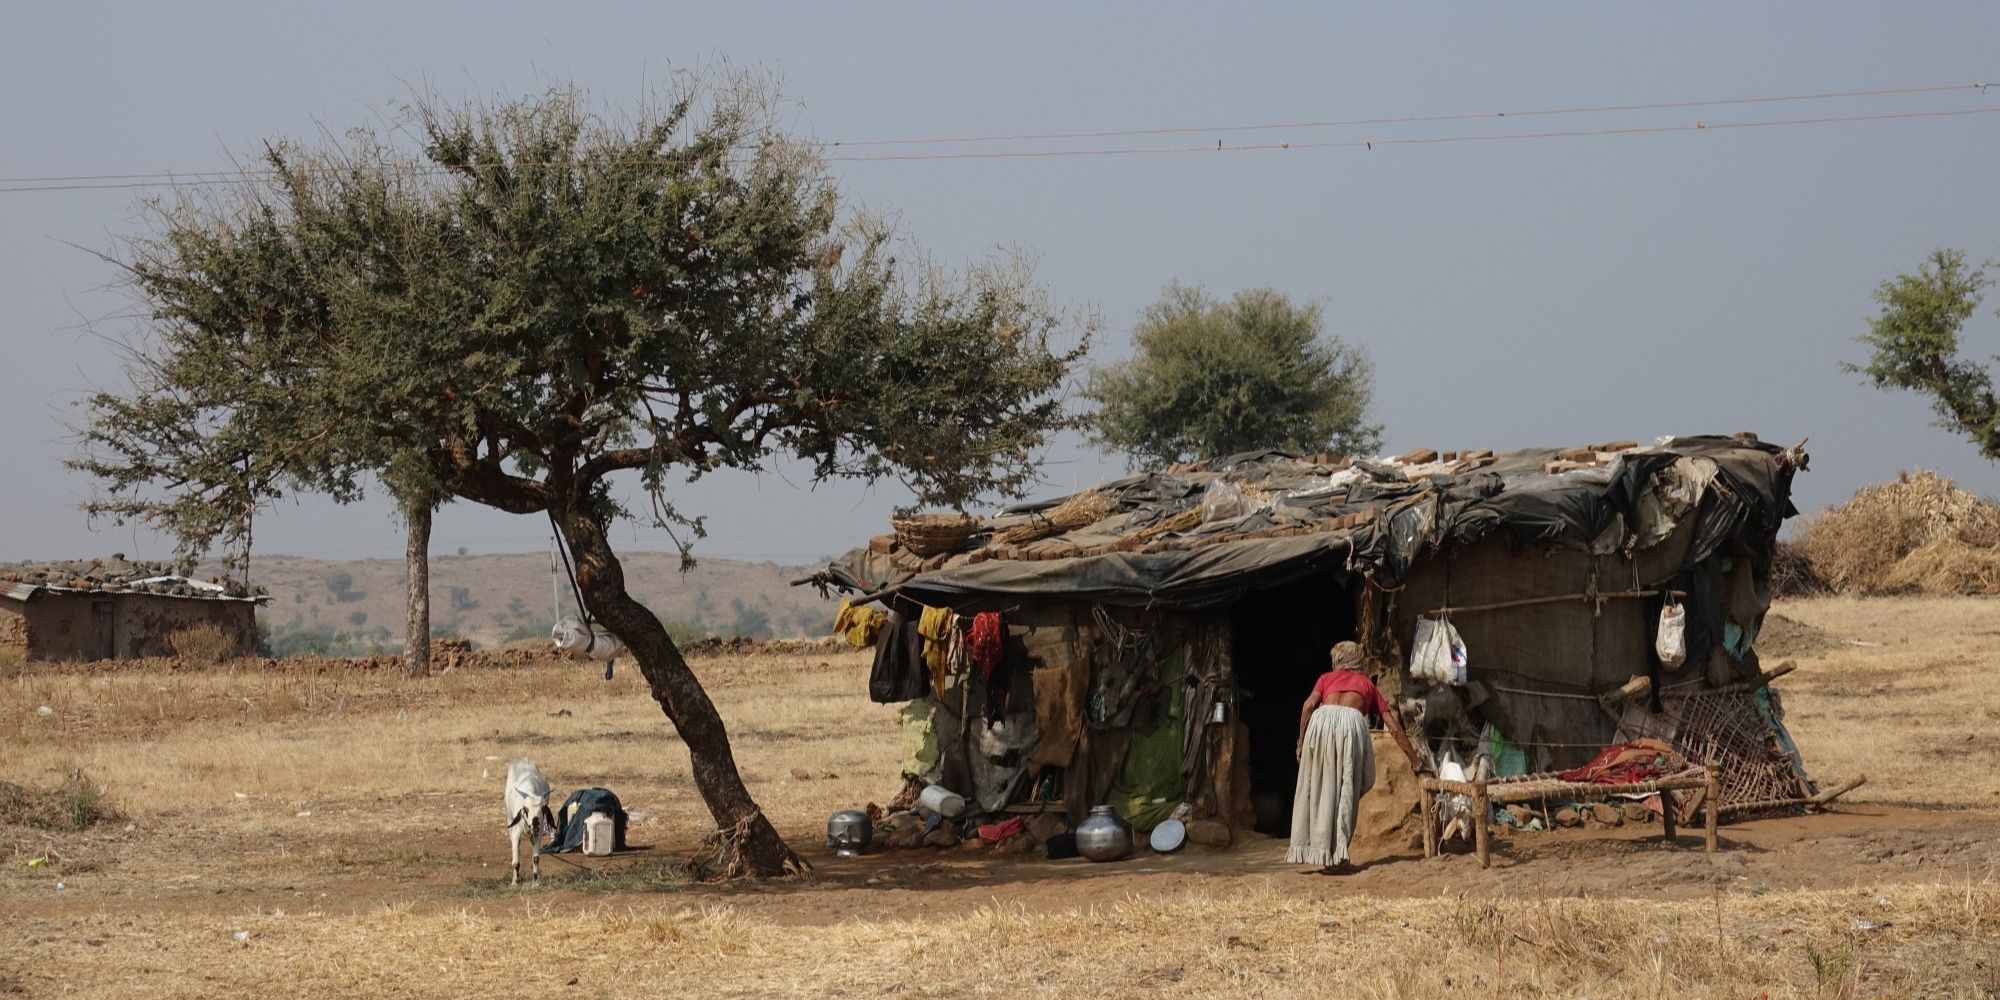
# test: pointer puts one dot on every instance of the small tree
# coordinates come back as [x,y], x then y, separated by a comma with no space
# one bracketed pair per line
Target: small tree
[339,583]
[1211,378]
[1915,341]
[542,301]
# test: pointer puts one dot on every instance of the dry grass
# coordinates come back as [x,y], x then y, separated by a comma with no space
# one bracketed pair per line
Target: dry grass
[1919,534]
[205,645]
[1909,697]
[1240,941]
[73,805]
[292,806]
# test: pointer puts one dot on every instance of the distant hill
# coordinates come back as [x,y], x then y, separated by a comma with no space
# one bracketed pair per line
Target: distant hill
[491,599]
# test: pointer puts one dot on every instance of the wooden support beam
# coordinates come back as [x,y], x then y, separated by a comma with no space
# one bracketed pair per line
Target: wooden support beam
[1712,809]
[1552,599]
[1430,822]
[1482,818]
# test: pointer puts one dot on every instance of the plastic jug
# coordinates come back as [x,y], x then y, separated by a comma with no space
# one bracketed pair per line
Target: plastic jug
[600,834]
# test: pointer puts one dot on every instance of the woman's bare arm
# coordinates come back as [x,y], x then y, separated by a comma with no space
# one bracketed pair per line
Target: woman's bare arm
[1403,739]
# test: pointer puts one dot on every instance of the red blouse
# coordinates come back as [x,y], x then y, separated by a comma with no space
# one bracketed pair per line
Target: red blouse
[1336,681]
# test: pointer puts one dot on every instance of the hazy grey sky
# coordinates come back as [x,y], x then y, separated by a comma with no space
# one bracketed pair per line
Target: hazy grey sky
[1560,291]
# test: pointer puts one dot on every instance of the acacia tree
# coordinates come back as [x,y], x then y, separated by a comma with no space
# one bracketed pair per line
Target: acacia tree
[541,300]
[1915,340]
[1210,378]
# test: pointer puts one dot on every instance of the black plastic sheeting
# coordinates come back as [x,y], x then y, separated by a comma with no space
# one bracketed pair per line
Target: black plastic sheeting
[1592,507]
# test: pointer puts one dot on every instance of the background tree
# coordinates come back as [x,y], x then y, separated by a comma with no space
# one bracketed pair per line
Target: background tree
[1915,338]
[543,302]
[1210,378]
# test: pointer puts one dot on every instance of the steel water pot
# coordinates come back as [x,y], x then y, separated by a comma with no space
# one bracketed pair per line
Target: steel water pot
[848,832]
[1103,836]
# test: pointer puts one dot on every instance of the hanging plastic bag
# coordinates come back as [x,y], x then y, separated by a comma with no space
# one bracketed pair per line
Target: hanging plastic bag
[1437,654]
[1670,643]
[571,637]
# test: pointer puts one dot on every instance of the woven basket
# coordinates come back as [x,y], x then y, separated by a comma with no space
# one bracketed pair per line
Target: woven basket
[934,534]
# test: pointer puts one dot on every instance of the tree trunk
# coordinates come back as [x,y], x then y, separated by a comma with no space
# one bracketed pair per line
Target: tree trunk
[417,593]
[762,852]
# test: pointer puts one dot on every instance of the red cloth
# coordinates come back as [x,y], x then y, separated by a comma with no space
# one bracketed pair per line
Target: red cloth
[1337,681]
[993,833]
[985,639]
[1625,763]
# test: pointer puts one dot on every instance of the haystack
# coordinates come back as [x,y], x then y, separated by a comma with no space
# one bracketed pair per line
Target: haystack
[1921,534]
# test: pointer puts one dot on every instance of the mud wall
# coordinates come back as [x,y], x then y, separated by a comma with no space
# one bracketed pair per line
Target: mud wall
[146,623]
[13,626]
[59,626]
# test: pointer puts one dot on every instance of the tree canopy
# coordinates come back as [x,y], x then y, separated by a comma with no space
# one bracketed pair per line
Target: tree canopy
[1915,338]
[1210,378]
[513,304]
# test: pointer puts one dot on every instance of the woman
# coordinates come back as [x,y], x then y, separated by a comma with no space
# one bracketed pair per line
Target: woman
[1337,761]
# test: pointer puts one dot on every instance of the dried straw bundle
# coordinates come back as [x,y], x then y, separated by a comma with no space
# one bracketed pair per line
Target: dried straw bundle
[1079,510]
[1859,547]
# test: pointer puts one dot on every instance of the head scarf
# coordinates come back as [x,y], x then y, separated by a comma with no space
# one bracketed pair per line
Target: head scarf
[1346,655]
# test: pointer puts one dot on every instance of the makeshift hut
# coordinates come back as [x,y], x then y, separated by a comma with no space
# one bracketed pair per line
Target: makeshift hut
[115,609]
[1157,634]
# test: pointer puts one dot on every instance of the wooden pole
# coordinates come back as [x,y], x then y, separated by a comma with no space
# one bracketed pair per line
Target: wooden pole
[1482,817]
[1837,791]
[1430,822]
[1552,599]
[1667,812]
[1712,809]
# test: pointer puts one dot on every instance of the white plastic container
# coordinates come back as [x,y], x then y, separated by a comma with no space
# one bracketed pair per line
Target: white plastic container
[942,800]
[600,835]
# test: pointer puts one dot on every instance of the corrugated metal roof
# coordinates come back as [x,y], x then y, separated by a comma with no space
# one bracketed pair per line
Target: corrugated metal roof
[25,591]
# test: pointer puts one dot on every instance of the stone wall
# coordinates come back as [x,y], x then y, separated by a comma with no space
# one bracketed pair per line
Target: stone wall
[58,626]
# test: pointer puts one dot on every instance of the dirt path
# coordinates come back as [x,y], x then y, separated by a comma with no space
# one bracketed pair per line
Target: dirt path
[1849,846]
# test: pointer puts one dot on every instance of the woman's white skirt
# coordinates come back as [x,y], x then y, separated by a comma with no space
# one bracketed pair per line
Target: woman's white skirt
[1336,768]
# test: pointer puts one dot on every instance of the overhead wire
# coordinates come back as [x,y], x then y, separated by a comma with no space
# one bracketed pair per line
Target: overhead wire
[136,180]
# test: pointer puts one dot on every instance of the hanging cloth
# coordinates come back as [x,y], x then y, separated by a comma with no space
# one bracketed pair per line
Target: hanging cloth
[859,623]
[936,626]
[988,642]
[898,674]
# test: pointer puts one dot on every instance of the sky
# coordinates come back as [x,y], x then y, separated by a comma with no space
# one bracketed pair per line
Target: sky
[1511,293]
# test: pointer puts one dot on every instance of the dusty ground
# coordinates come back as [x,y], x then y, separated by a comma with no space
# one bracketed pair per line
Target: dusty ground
[346,827]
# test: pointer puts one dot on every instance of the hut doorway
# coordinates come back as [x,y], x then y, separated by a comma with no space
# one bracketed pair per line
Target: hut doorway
[1280,641]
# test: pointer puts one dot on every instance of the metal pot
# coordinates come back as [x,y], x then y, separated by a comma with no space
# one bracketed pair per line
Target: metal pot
[848,832]
[1103,836]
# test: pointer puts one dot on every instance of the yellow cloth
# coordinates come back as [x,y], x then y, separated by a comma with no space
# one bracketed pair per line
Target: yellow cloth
[935,625]
[859,623]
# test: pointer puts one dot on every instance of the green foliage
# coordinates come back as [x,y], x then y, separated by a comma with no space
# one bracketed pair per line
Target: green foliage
[1915,339]
[339,583]
[358,618]
[512,303]
[754,623]
[1210,378]
[530,630]
[683,633]
[461,599]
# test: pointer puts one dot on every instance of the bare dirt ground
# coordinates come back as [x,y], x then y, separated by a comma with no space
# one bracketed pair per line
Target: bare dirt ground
[338,833]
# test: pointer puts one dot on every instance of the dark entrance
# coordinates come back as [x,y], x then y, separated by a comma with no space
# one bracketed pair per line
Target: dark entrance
[103,636]
[1281,639]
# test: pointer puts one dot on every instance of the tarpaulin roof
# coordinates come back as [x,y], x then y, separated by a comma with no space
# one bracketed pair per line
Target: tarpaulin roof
[1202,534]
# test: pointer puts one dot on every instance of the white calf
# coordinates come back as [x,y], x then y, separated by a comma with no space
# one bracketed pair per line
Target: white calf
[528,816]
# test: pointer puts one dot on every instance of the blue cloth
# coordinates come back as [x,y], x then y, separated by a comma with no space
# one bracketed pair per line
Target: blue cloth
[577,808]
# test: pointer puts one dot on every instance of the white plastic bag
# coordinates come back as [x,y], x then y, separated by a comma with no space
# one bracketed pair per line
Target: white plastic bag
[1437,654]
[1670,644]
[570,636]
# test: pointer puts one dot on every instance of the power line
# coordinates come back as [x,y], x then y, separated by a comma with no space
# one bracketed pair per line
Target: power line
[132,181]
[1420,119]
[1415,140]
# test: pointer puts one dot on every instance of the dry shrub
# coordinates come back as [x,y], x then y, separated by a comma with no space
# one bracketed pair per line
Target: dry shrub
[1859,547]
[1792,572]
[203,644]
[72,805]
